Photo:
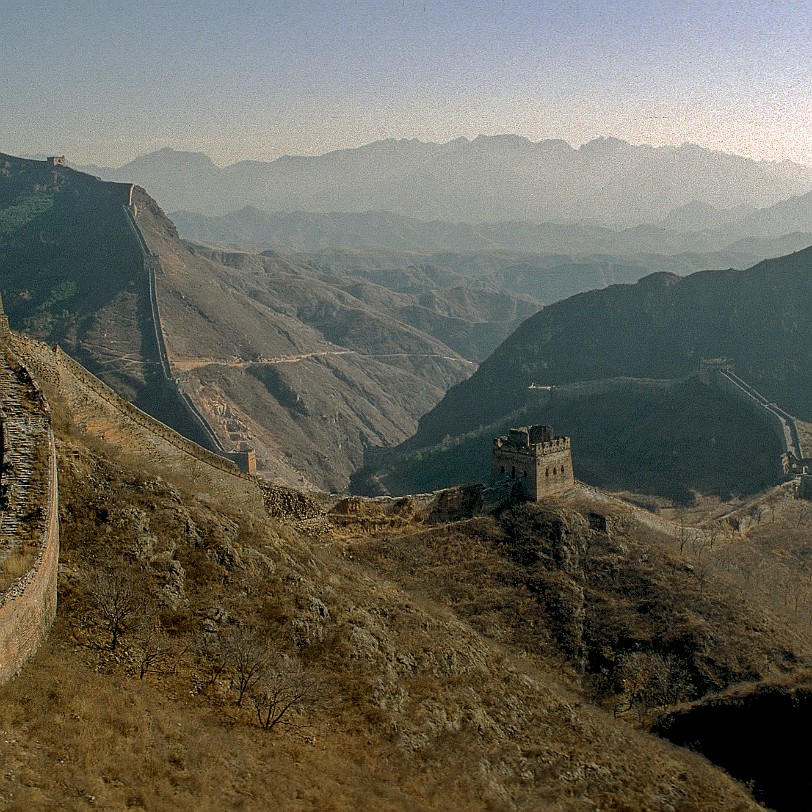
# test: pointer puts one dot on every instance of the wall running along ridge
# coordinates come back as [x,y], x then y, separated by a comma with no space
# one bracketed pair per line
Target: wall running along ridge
[245,460]
[28,606]
[720,372]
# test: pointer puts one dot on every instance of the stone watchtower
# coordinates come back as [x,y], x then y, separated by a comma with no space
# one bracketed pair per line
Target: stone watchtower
[540,462]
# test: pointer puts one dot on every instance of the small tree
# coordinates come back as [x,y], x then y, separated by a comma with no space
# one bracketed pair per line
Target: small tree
[214,653]
[248,654]
[117,601]
[151,650]
[282,691]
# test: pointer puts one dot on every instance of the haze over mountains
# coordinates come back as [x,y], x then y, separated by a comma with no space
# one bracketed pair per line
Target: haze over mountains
[608,212]
[465,648]
[314,353]
[607,181]
[659,328]
[307,364]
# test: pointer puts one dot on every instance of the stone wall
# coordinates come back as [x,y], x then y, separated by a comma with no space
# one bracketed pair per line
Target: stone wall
[28,605]
[244,460]
[65,362]
[780,423]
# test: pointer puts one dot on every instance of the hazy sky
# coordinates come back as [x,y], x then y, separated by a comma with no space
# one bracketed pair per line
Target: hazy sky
[106,80]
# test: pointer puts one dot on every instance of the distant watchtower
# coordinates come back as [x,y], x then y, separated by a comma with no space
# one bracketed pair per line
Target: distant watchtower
[709,368]
[56,160]
[539,461]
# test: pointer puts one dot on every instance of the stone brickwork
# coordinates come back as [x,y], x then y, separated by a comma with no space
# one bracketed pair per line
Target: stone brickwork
[29,524]
[539,462]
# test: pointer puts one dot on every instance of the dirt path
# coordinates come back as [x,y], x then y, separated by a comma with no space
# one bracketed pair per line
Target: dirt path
[186,364]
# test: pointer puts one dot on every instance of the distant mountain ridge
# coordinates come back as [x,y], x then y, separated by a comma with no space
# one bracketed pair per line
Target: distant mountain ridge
[696,227]
[305,363]
[659,327]
[487,179]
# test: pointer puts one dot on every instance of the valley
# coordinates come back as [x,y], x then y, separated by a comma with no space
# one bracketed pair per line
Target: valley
[436,642]
[405,406]
[434,639]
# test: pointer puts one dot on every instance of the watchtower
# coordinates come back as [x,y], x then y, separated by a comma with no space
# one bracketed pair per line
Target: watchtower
[710,368]
[538,460]
[56,160]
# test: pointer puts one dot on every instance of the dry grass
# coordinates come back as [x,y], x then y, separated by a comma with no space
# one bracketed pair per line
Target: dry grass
[18,562]
[416,709]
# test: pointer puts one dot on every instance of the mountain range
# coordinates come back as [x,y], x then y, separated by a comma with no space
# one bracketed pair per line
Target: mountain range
[305,364]
[607,181]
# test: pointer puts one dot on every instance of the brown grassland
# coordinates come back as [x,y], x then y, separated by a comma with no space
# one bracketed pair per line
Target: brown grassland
[207,655]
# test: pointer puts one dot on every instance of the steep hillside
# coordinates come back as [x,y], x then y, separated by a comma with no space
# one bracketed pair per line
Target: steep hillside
[71,272]
[303,370]
[487,179]
[306,365]
[419,665]
[658,328]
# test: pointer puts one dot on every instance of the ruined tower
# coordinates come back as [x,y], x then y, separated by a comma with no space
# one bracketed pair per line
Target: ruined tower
[540,462]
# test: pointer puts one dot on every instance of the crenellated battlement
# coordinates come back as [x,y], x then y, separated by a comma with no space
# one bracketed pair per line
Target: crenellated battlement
[539,461]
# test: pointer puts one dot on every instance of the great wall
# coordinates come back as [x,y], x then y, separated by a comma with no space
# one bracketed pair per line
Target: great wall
[29,490]
[29,518]
[721,373]
[244,459]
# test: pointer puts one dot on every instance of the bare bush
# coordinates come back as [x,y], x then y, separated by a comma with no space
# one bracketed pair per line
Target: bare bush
[247,654]
[652,680]
[281,693]
[117,600]
[151,650]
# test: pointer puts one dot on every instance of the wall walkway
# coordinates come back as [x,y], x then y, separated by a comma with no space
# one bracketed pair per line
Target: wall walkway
[780,422]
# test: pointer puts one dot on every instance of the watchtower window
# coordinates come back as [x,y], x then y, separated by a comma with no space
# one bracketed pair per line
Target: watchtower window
[513,472]
[547,472]
[524,475]
[502,469]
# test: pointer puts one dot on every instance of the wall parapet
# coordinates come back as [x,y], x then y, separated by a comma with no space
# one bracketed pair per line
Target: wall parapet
[245,460]
[148,422]
[721,372]
[28,605]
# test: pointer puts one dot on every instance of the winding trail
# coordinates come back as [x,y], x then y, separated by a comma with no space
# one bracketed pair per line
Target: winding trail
[186,364]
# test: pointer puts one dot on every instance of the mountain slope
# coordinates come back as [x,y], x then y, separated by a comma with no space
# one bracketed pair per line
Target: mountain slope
[414,695]
[304,370]
[658,328]
[307,366]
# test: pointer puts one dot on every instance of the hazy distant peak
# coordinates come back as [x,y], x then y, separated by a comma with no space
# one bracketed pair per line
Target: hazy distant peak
[604,145]
[173,158]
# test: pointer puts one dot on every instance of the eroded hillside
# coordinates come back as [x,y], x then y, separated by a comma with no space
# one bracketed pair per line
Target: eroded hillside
[433,665]
[307,366]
